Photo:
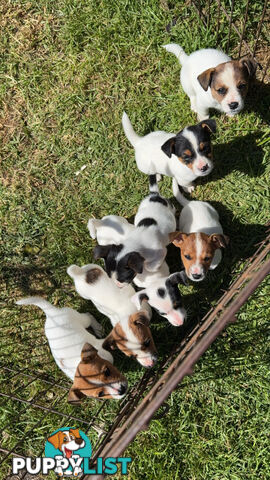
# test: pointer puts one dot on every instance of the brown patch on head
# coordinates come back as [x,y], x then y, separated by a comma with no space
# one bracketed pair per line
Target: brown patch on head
[93,376]
[57,439]
[139,324]
[93,275]
[189,164]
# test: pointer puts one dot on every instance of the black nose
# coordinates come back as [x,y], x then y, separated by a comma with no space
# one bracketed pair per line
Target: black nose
[196,275]
[79,441]
[123,389]
[204,168]
[233,105]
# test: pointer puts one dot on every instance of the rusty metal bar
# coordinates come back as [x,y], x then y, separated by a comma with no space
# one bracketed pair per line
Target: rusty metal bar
[243,30]
[259,27]
[230,26]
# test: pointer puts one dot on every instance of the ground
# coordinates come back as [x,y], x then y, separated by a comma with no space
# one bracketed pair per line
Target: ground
[69,68]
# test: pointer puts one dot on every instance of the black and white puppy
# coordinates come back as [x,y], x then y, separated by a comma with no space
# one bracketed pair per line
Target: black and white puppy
[145,247]
[184,156]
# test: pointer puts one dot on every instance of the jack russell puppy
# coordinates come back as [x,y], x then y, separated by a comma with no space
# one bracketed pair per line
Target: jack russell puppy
[68,442]
[131,333]
[164,296]
[184,156]
[145,247]
[80,355]
[110,229]
[211,79]
[200,237]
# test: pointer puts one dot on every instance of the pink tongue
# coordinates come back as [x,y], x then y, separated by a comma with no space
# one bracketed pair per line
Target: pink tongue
[68,452]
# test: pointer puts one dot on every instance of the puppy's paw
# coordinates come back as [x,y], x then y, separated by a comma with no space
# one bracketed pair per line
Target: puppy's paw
[158,177]
[189,188]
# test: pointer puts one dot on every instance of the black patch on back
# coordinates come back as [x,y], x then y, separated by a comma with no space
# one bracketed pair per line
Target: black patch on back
[93,275]
[155,197]
[161,292]
[147,222]
[152,180]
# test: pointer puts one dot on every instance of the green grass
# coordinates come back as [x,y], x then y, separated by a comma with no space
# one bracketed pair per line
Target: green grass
[68,70]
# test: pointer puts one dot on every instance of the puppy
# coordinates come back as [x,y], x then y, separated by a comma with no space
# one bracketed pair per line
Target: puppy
[80,355]
[110,229]
[68,442]
[145,247]
[165,297]
[200,237]
[211,79]
[131,333]
[184,156]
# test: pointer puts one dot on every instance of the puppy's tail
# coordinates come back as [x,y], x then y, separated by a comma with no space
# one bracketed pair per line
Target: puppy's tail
[92,225]
[153,185]
[177,191]
[131,135]
[74,271]
[177,51]
[38,302]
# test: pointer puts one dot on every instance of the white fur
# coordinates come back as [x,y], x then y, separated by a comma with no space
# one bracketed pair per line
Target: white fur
[146,278]
[151,159]
[195,64]
[66,332]
[110,229]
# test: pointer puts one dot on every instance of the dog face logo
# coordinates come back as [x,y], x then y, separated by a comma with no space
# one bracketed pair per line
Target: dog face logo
[68,446]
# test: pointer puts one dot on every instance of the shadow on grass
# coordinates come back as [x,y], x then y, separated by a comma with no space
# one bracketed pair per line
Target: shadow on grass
[258,100]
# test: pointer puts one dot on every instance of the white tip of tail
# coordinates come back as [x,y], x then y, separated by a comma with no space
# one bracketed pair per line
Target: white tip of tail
[91,225]
[131,135]
[177,51]
[73,271]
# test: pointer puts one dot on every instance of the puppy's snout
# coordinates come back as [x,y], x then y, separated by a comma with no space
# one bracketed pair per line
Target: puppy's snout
[79,441]
[196,276]
[204,168]
[233,105]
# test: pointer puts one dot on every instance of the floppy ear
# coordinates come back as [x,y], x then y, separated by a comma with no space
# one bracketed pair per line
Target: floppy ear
[109,342]
[75,396]
[250,64]
[138,298]
[219,240]
[88,353]
[205,78]
[142,319]
[135,262]
[169,147]
[177,238]
[75,432]
[55,440]
[210,125]
[179,277]
[101,251]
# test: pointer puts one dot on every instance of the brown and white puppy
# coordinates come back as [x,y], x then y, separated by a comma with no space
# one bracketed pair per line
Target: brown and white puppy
[212,79]
[200,237]
[131,332]
[78,353]
[67,441]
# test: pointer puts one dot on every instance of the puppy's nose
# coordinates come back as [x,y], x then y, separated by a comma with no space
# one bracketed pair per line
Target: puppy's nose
[204,168]
[196,276]
[123,389]
[233,105]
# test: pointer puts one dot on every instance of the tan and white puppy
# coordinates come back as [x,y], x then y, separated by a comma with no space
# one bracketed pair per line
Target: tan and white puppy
[109,229]
[200,237]
[131,333]
[80,355]
[68,442]
[212,79]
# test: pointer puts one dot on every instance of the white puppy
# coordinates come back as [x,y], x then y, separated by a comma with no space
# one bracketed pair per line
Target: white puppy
[131,331]
[211,79]
[110,229]
[184,156]
[79,354]
[200,236]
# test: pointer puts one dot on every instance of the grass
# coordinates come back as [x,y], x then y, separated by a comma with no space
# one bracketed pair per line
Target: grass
[68,70]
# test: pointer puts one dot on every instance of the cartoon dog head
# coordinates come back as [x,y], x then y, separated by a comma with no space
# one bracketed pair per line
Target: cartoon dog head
[67,441]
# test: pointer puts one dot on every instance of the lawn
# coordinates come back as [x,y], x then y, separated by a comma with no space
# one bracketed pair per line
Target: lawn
[68,70]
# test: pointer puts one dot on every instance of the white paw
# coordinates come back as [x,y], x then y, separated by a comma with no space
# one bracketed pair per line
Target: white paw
[158,177]
[202,117]
[189,188]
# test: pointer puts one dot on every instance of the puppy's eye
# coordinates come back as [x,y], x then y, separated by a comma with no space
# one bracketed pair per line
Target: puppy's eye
[206,259]
[241,86]
[65,439]
[221,91]
[188,257]
[71,437]
[147,343]
[101,394]
[107,372]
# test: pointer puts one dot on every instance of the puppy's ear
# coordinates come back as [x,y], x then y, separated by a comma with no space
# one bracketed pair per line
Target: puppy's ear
[177,238]
[141,318]
[75,432]
[205,78]
[109,342]
[209,125]
[169,147]
[55,440]
[219,240]
[179,277]
[138,298]
[135,262]
[101,251]
[88,353]
[75,396]
[250,64]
